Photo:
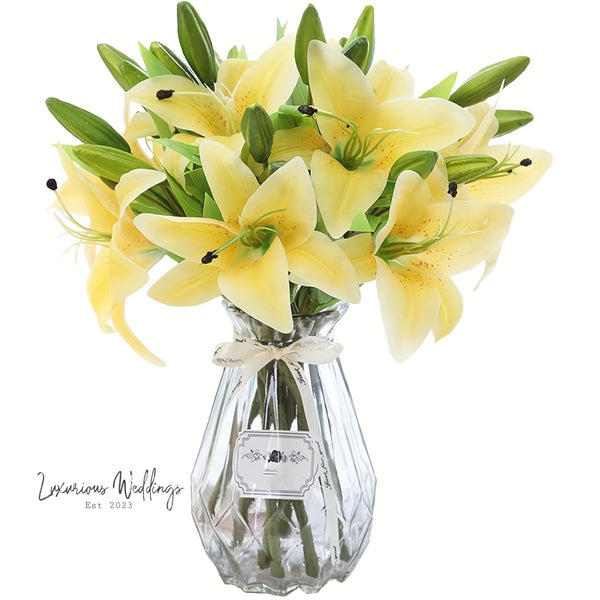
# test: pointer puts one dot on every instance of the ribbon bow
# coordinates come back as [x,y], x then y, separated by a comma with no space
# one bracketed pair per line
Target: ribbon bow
[252,356]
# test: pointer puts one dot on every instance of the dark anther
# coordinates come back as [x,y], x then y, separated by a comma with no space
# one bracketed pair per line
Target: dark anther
[453,189]
[526,162]
[51,184]
[305,109]
[209,257]
[509,171]
[164,94]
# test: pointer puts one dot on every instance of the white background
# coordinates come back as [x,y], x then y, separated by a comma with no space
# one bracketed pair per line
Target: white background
[486,444]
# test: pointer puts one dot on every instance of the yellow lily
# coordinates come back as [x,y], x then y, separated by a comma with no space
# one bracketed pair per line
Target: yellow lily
[369,124]
[522,166]
[268,80]
[118,254]
[426,240]
[267,232]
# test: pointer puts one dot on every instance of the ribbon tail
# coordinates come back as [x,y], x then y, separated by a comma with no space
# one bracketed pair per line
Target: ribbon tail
[314,429]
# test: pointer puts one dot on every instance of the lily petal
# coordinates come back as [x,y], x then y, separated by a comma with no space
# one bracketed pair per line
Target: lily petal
[230,180]
[410,306]
[191,107]
[258,284]
[187,284]
[187,237]
[510,187]
[320,263]
[297,141]
[133,184]
[361,252]
[451,308]
[340,87]
[286,201]
[388,82]
[341,193]
[269,80]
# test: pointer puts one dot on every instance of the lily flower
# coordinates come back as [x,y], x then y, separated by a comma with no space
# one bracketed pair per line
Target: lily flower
[519,167]
[369,124]
[267,232]
[426,240]
[118,255]
[268,81]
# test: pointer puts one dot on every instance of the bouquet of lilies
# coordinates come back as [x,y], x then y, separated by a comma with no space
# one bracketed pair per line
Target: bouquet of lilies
[284,183]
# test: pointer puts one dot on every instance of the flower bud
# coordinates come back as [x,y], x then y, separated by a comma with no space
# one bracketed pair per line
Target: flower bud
[196,44]
[489,81]
[309,29]
[86,126]
[509,120]
[468,167]
[108,163]
[257,129]
[358,52]
[171,61]
[419,161]
[365,27]
[126,71]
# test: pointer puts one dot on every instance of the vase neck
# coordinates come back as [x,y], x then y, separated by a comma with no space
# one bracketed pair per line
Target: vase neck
[320,324]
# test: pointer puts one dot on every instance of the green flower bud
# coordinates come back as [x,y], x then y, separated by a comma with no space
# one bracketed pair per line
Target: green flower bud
[86,126]
[257,129]
[126,71]
[358,52]
[310,28]
[102,161]
[421,162]
[468,167]
[489,81]
[510,120]
[171,61]
[365,27]
[196,44]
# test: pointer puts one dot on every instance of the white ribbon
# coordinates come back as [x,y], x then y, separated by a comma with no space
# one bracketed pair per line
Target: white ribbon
[253,356]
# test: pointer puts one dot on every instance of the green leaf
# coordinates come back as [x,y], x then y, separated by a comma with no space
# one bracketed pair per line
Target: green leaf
[86,126]
[468,167]
[443,89]
[189,151]
[257,129]
[195,183]
[126,71]
[171,61]
[365,27]
[105,162]
[510,120]
[211,210]
[421,162]
[360,223]
[489,81]
[310,28]
[280,29]
[358,52]
[196,44]
[191,206]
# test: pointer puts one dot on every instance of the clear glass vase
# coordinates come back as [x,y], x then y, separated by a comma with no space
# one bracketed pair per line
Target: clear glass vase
[283,488]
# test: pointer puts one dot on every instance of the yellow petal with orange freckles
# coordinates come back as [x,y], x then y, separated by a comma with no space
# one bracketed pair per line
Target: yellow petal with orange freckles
[258,284]
[269,80]
[187,284]
[320,263]
[451,308]
[230,180]
[474,233]
[341,193]
[388,82]
[409,200]
[133,184]
[129,240]
[123,329]
[410,305]
[512,186]
[297,141]
[361,253]
[425,124]
[191,107]
[187,237]
[340,87]
[286,202]
[230,73]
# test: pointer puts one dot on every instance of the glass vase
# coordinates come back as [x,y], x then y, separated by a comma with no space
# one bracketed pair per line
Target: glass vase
[283,488]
